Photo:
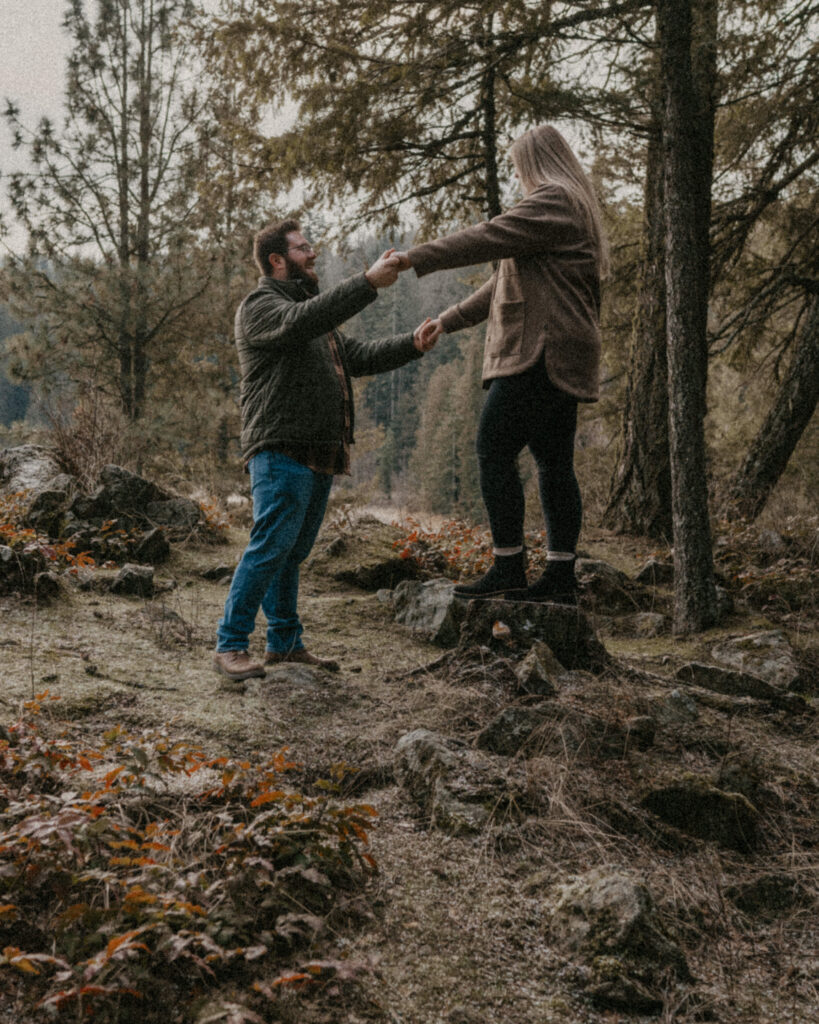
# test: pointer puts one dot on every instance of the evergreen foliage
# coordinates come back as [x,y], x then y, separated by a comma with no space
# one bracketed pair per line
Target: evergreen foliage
[406,106]
[14,398]
[108,278]
[141,206]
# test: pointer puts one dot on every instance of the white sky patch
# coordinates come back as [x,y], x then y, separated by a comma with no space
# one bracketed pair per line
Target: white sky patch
[35,48]
[32,75]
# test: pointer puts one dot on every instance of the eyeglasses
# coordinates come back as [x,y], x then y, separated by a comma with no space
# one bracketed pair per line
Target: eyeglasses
[305,248]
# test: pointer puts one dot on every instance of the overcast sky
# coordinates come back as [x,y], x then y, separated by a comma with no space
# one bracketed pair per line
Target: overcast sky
[34,47]
[32,72]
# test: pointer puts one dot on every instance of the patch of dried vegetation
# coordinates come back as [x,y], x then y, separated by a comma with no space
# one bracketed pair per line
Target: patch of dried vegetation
[456,929]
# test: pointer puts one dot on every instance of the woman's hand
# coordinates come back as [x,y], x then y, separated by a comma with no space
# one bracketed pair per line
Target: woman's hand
[426,334]
[403,260]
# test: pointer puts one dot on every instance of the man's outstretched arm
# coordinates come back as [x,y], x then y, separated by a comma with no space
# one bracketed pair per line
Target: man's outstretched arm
[270,319]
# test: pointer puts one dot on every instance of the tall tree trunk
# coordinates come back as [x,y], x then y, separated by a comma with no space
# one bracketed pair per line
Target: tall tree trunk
[640,495]
[145,84]
[688,155]
[790,414]
[125,328]
[489,128]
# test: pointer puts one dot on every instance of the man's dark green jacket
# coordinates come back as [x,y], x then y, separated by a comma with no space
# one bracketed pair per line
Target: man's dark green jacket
[290,390]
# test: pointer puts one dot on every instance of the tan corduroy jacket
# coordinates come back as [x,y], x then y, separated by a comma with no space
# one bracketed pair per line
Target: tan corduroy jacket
[544,297]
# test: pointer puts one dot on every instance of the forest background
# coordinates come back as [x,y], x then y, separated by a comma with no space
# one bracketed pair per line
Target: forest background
[186,126]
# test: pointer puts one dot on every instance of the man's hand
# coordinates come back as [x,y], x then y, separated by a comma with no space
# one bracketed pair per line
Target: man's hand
[403,260]
[384,271]
[426,334]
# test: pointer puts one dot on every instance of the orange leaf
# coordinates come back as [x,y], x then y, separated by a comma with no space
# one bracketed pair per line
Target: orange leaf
[266,798]
[117,941]
[291,979]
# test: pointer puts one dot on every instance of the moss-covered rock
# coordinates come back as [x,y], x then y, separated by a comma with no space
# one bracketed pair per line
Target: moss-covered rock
[694,805]
[430,608]
[461,790]
[363,554]
[608,918]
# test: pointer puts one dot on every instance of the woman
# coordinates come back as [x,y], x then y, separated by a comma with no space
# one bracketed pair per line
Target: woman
[541,357]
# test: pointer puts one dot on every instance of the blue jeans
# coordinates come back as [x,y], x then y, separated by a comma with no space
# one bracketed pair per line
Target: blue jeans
[289,502]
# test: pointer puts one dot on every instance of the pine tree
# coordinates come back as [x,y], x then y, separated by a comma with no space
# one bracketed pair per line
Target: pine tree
[108,280]
[408,106]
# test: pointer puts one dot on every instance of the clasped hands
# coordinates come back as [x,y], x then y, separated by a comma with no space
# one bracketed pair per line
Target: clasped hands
[383,273]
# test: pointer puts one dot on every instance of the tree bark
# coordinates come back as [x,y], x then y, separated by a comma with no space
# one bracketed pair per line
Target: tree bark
[687,155]
[790,414]
[640,494]
[489,127]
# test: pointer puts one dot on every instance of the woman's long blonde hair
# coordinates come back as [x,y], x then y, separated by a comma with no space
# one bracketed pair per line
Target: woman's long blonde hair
[543,157]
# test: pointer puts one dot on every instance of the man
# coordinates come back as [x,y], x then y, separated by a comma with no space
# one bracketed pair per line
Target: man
[297,428]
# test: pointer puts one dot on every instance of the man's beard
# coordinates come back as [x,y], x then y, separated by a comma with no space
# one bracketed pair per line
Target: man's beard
[296,273]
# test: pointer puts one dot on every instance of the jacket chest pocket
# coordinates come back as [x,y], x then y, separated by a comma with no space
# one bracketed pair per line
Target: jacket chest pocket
[506,327]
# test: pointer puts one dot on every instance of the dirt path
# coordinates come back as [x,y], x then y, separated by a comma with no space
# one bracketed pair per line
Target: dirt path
[455,928]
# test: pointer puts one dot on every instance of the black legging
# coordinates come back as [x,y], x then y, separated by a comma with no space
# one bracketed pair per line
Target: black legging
[527,409]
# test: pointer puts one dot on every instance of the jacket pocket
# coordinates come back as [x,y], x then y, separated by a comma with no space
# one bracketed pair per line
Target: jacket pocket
[507,328]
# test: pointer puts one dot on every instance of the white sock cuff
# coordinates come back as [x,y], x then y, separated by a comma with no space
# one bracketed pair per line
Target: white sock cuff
[503,552]
[560,556]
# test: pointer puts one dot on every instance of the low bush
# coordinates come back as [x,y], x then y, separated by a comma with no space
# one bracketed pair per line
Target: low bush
[139,874]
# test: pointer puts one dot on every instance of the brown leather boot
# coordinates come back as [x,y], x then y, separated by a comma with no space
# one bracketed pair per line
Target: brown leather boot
[300,657]
[237,665]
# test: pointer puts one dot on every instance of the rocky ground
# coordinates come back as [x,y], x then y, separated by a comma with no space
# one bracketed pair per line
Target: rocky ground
[580,817]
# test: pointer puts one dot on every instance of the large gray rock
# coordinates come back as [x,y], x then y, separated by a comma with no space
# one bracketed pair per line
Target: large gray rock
[767,655]
[152,547]
[459,789]
[118,520]
[608,918]
[47,492]
[27,467]
[181,517]
[721,680]
[431,609]
[123,492]
[124,496]
[46,512]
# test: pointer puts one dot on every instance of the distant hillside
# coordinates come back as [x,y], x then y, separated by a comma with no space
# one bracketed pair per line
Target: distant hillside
[14,398]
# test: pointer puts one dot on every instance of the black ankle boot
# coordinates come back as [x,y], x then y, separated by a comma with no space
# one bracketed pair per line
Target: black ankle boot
[506,578]
[557,584]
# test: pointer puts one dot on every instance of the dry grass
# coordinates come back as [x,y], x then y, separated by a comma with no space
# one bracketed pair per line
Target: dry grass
[456,928]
